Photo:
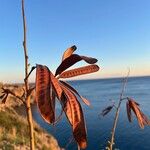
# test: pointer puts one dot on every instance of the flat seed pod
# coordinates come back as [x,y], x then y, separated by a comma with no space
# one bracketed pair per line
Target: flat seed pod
[75,116]
[142,119]
[74,58]
[89,60]
[56,86]
[146,121]
[79,71]
[128,112]
[75,91]
[43,98]
[106,110]
[137,112]
[69,52]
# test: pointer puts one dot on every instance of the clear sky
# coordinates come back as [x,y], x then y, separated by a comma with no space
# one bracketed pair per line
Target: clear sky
[116,32]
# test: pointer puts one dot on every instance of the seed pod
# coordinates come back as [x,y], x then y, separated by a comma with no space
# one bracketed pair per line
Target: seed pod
[74,58]
[56,86]
[128,112]
[75,116]
[75,91]
[142,119]
[106,110]
[43,99]
[79,71]
[69,52]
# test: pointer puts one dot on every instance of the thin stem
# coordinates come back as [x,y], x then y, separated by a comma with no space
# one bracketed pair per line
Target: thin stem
[117,112]
[27,96]
[29,73]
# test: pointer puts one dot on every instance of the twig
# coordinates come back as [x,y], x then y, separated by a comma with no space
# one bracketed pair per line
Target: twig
[117,112]
[29,73]
[8,91]
[27,96]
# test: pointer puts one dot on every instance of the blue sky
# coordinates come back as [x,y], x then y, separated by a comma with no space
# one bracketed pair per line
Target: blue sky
[116,32]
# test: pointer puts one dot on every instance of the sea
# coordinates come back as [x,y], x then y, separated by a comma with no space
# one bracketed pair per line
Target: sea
[102,93]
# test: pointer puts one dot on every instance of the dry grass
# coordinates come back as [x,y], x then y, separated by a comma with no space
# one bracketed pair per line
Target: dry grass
[14,131]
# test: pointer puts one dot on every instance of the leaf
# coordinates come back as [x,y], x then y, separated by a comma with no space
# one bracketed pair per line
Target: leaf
[56,86]
[75,116]
[128,112]
[69,52]
[75,91]
[106,110]
[74,58]
[43,98]
[79,71]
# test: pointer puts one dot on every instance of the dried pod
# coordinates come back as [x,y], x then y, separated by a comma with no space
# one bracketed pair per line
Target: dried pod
[142,119]
[69,52]
[56,86]
[106,110]
[128,112]
[75,91]
[43,97]
[74,58]
[75,116]
[79,71]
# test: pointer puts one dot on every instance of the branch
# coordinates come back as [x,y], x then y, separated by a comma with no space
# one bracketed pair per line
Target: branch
[7,91]
[25,48]
[117,112]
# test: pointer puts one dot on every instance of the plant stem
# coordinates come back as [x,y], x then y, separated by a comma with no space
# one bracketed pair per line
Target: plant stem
[117,113]
[27,96]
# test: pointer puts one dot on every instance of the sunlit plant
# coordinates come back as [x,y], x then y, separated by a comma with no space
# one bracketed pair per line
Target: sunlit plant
[50,88]
[131,107]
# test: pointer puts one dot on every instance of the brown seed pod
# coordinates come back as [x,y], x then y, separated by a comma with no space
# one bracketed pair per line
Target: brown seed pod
[74,58]
[128,112]
[75,91]
[43,98]
[142,119]
[106,110]
[79,71]
[69,52]
[75,116]
[56,86]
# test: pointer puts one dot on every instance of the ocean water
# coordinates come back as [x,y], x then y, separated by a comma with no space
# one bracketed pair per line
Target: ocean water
[99,92]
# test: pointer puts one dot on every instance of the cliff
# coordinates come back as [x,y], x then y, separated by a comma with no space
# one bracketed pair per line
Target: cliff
[14,131]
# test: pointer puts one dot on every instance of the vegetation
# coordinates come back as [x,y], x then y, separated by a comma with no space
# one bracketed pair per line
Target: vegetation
[132,106]
[49,87]
[15,133]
